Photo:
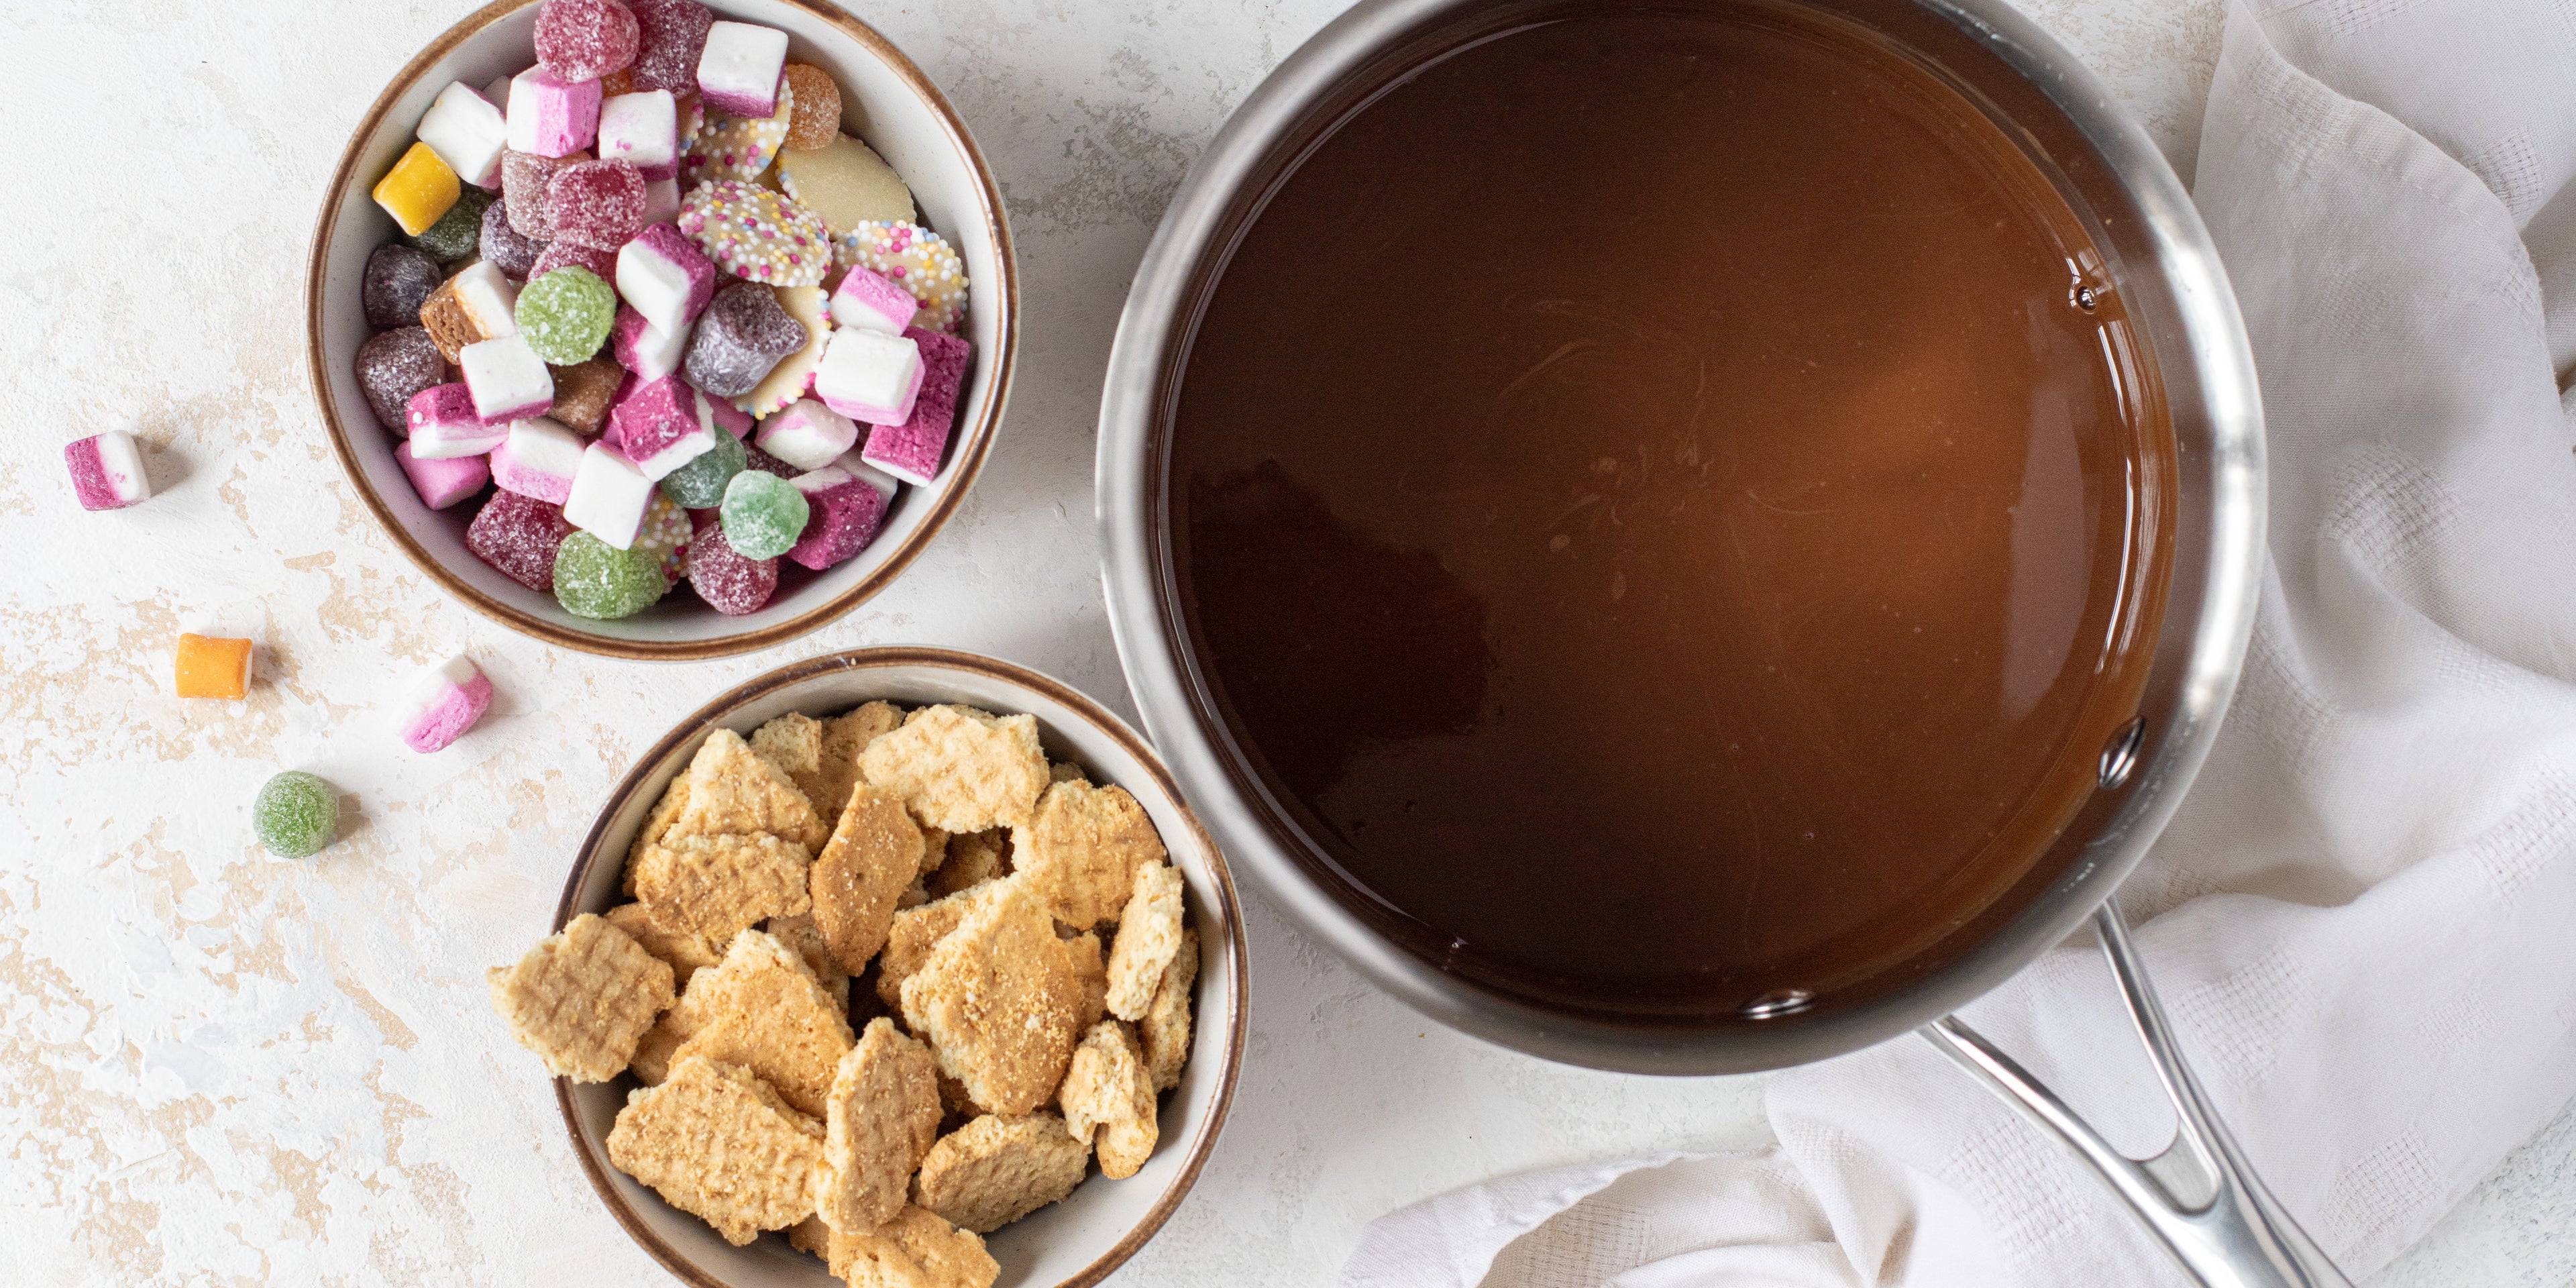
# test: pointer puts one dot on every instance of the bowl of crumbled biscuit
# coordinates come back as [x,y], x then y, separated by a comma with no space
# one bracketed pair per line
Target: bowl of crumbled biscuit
[893,966]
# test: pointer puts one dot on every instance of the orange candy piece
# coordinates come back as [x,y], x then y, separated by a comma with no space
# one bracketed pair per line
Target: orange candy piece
[213,667]
[816,118]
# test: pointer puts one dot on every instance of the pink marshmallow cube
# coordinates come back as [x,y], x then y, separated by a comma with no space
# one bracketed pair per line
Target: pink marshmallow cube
[665,425]
[807,435]
[550,116]
[665,277]
[442,481]
[646,351]
[642,130]
[538,459]
[869,375]
[872,301]
[468,133]
[844,515]
[107,471]
[444,424]
[609,495]
[738,69]
[445,703]
[911,449]
[507,379]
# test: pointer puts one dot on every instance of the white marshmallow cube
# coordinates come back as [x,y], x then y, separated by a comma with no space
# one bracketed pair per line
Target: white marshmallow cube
[869,375]
[642,130]
[655,285]
[538,459]
[488,299]
[507,379]
[468,133]
[738,70]
[608,496]
[807,434]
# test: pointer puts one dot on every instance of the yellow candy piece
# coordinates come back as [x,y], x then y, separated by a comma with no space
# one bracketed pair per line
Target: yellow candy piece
[417,190]
[212,667]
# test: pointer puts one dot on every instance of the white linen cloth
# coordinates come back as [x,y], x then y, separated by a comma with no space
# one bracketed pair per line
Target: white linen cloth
[2364,920]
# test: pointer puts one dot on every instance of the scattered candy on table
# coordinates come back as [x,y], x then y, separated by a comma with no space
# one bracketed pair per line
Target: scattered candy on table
[870,376]
[398,280]
[211,666]
[742,334]
[911,449]
[565,316]
[518,537]
[507,379]
[763,514]
[417,190]
[467,132]
[446,702]
[442,482]
[296,815]
[394,365]
[107,471]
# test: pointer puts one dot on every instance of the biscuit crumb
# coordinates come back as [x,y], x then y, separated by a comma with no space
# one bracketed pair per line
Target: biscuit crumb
[844,738]
[882,1117]
[656,825]
[800,933]
[1061,772]
[1107,1091]
[995,1170]
[1000,1001]
[716,1143]
[1080,851]
[582,998]
[972,859]
[1164,1032]
[915,932]
[1149,933]
[959,770]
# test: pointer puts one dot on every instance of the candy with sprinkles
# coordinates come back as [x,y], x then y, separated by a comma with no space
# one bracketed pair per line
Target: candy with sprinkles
[910,449]
[847,183]
[518,536]
[525,177]
[665,277]
[538,459]
[417,190]
[817,118]
[550,115]
[763,514]
[596,203]
[670,36]
[642,130]
[736,147]
[584,391]
[731,584]
[296,815]
[647,350]
[848,511]
[446,701]
[582,40]
[107,471]
[808,435]
[211,666]
[794,373]
[917,259]
[398,279]
[458,234]
[700,483]
[507,378]
[477,304]
[742,334]
[504,247]
[602,582]
[757,235]
[468,133]
[739,68]
[563,254]
[442,425]
[393,365]
[565,316]
[666,532]
[442,483]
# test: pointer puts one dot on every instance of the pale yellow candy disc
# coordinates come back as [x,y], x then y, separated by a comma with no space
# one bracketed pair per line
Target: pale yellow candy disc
[847,183]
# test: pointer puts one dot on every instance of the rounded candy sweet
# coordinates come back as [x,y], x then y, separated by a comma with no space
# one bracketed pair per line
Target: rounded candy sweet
[816,120]
[918,259]
[741,335]
[525,177]
[847,183]
[581,40]
[558,254]
[756,234]
[599,204]
[730,583]
[596,580]
[700,484]
[508,249]
[670,35]
[459,232]
[565,315]
[394,365]
[398,279]
[296,815]
[763,515]
[735,147]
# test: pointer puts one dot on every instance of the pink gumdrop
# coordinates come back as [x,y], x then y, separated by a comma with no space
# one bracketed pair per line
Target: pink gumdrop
[599,204]
[583,40]
[730,584]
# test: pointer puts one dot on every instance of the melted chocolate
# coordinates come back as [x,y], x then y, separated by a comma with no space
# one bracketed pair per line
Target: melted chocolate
[1652,510]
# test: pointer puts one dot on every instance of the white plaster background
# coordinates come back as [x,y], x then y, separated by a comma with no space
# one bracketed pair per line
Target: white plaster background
[221,1067]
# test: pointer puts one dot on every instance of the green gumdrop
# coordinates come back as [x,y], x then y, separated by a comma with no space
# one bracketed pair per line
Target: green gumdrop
[459,232]
[763,514]
[296,815]
[700,484]
[596,580]
[566,315]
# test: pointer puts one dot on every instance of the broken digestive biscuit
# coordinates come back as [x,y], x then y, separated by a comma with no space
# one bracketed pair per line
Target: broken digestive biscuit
[1060,772]
[800,933]
[735,792]
[882,1118]
[1080,852]
[873,855]
[717,1143]
[916,931]
[582,998]
[844,738]
[1001,1001]
[995,1170]
[656,826]
[916,1249]
[960,771]
[972,859]
[1149,933]
[1108,1100]
[713,886]
[686,953]
[793,744]
[1164,1032]
[762,1009]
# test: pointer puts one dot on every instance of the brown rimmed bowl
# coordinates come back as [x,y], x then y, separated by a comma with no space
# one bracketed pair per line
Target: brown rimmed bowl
[1066,1245]
[886,100]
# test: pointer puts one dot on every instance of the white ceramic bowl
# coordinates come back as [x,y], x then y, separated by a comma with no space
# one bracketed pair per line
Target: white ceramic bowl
[885,100]
[1077,1241]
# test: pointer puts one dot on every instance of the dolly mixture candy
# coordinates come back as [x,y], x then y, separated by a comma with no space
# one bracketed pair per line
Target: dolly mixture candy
[445,703]
[551,116]
[444,481]
[599,204]
[731,584]
[211,666]
[700,483]
[669,37]
[392,366]
[916,259]
[582,40]
[757,235]
[525,176]
[417,190]
[398,280]
[565,315]
[458,234]
[742,334]
[599,581]
[107,471]
[763,515]
[519,536]
[296,815]
[505,247]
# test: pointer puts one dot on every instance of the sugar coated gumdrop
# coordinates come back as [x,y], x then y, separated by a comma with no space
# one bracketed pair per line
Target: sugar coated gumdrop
[919,260]
[524,179]
[560,254]
[518,536]
[397,280]
[296,815]
[816,120]
[596,580]
[730,583]
[565,315]
[700,484]
[763,515]
[669,36]
[585,39]
[505,247]
[596,203]
[394,365]
[742,334]
[459,232]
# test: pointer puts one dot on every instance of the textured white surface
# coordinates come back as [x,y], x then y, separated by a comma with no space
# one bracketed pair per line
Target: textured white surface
[222,1067]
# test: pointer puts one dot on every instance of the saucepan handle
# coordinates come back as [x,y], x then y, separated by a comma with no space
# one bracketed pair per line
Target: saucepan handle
[2198,1196]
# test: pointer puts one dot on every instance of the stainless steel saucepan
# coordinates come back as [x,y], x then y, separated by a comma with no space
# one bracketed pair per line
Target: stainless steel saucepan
[2198,1195]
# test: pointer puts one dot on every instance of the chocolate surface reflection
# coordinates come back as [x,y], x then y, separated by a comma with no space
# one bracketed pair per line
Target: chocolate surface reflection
[1648,501]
